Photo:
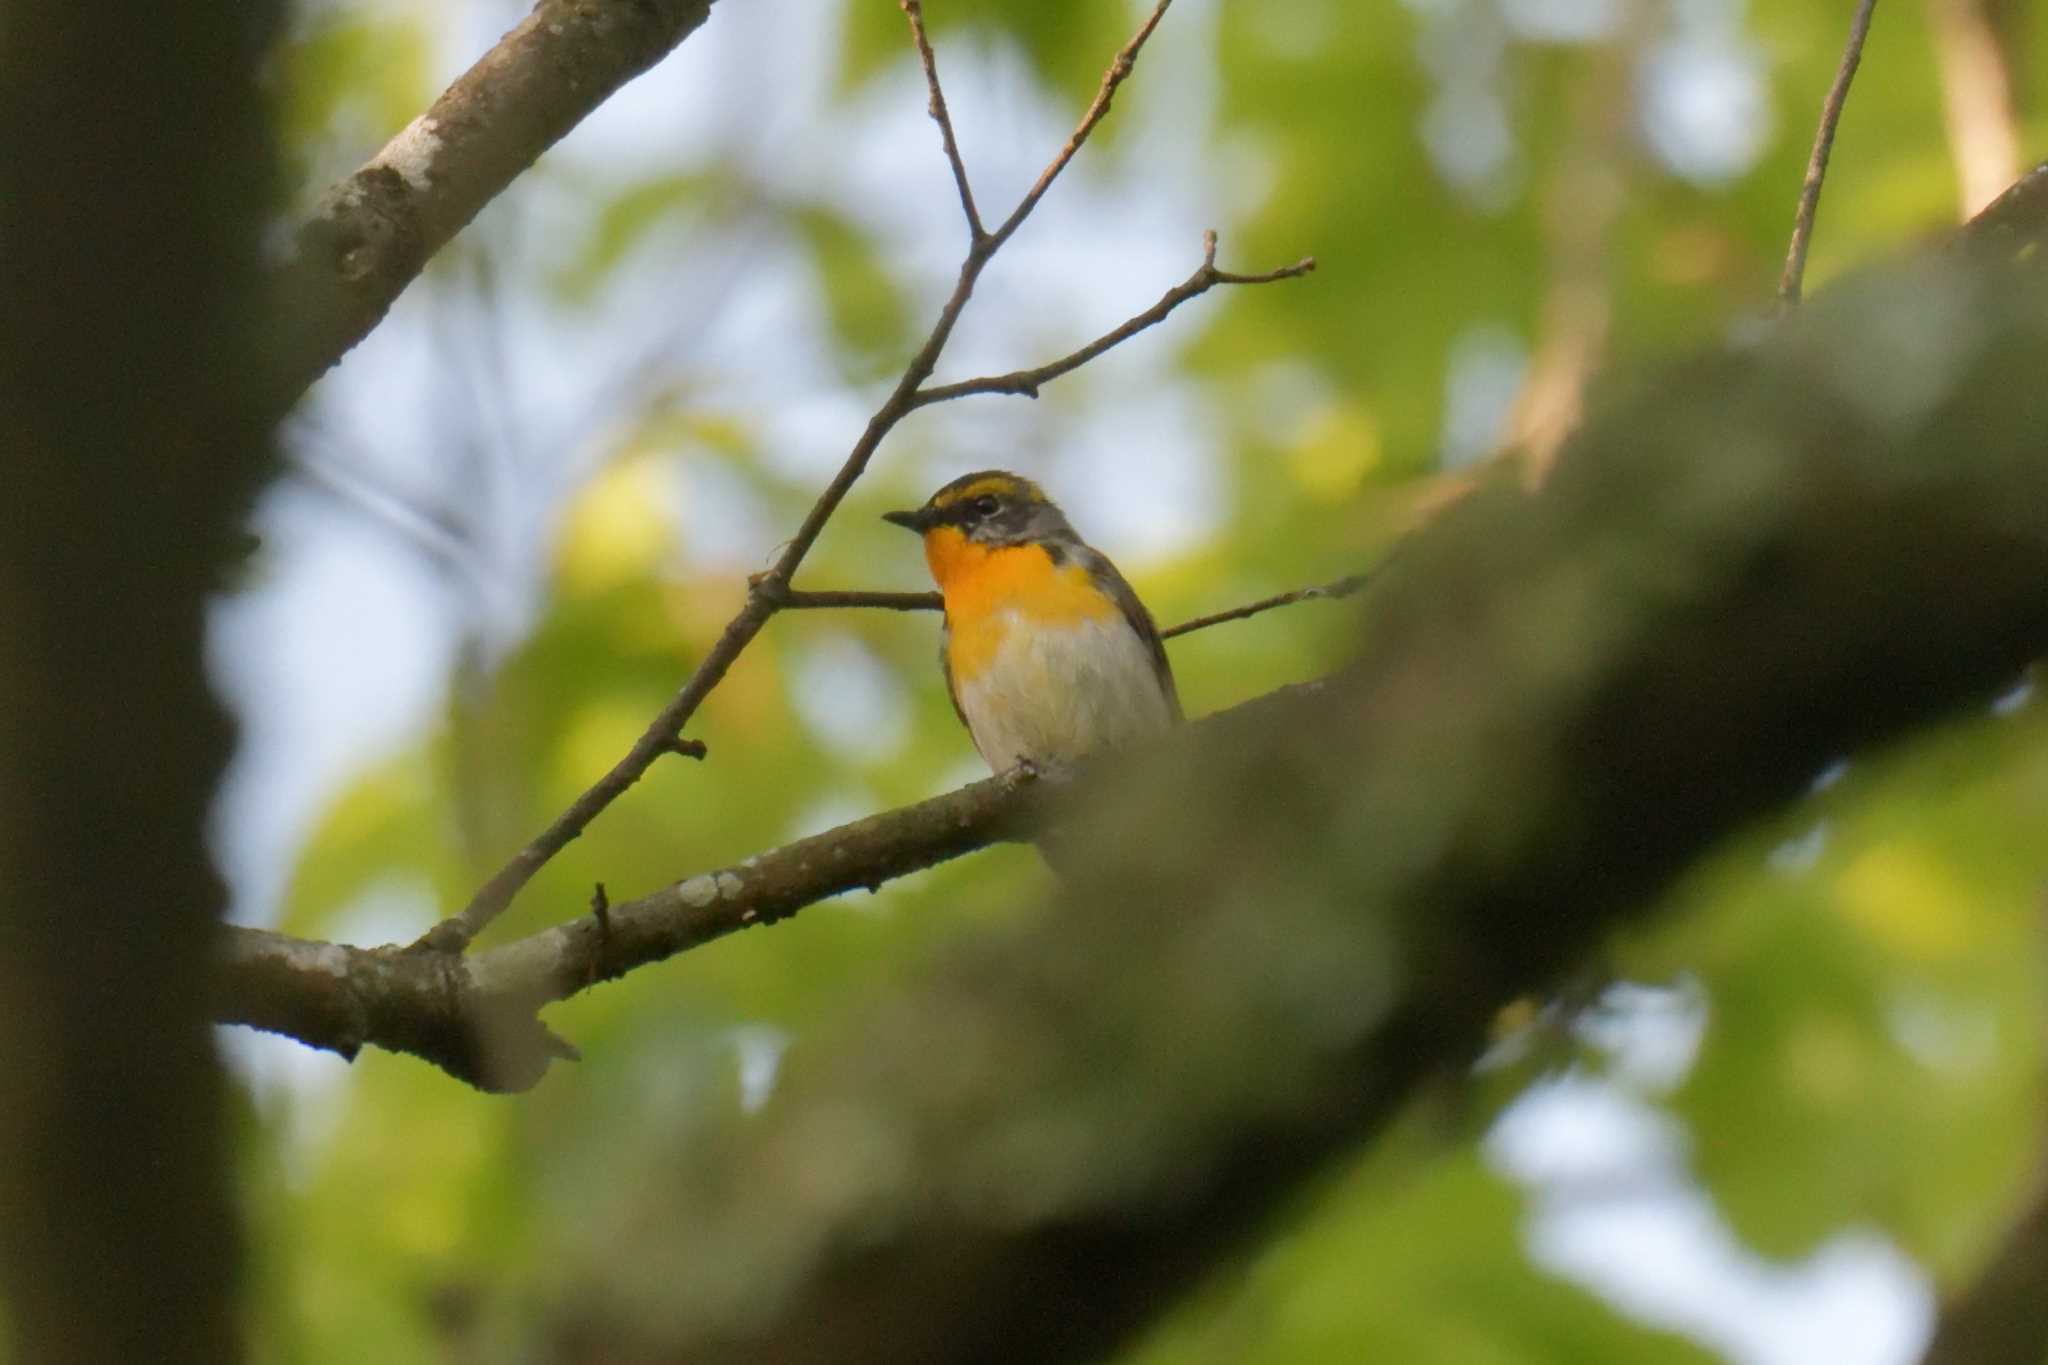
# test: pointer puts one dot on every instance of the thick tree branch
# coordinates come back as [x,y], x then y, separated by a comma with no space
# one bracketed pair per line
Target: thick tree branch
[1760,562]
[373,232]
[473,1016]
[135,172]
[1817,163]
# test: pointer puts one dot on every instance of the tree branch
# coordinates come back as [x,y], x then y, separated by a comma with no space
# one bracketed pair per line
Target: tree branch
[1027,382]
[1342,587]
[1119,70]
[931,601]
[914,11]
[374,231]
[136,166]
[473,1016]
[830,599]
[1817,162]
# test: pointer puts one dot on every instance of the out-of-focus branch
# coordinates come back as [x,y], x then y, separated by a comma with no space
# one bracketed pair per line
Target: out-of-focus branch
[2013,221]
[767,590]
[374,231]
[1580,203]
[1817,163]
[136,167]
[1976,99]
[1024,1150]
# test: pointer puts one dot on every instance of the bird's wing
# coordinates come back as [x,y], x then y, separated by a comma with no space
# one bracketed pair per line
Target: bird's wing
[1120,592]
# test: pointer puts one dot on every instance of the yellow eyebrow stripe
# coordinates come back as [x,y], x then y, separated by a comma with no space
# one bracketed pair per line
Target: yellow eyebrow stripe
[995,483]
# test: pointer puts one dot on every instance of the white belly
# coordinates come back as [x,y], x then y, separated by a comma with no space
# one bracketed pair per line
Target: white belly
[1052,696]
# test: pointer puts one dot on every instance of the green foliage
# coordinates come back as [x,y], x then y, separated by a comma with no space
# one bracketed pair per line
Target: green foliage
[1876,1051]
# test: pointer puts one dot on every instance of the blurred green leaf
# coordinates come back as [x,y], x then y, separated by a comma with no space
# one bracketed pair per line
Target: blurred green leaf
[866,309]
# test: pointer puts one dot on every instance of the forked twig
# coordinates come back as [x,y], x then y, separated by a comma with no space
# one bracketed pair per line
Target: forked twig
[1099,106]
[1027,382]
[1817,163]
[914,11]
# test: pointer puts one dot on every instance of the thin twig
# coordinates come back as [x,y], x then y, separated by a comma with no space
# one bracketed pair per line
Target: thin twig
[1343,587]
[1111,79]
[914,10]
[931,601]
[887,601]
[767,590]
[1817,163]
[1028,382]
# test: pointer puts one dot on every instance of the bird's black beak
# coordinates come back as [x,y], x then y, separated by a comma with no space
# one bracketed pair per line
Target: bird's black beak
[910,521]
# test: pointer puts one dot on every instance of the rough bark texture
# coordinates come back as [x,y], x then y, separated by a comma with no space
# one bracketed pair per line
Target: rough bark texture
[377,229]
[473,1016]
[1760,562]
[132,173]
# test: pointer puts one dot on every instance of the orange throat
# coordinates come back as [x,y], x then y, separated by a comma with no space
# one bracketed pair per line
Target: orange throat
[988,589]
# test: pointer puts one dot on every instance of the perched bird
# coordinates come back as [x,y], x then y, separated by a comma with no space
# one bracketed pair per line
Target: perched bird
[1048,654]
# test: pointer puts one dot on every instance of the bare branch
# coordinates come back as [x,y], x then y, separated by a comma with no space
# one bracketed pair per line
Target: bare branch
[374,231]
[1118,70]
[474,1016]
[887,601]
[1342,587]
[1028,382]
[767,591]
[931,601]
[914,11]
[1817,163]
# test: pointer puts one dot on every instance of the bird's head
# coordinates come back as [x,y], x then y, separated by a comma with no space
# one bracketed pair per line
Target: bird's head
[979,513]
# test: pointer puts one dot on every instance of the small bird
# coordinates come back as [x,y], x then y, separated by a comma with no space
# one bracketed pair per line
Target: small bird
[1048,654]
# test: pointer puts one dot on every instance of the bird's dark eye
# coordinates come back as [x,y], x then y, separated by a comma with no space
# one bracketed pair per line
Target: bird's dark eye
[984,506]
